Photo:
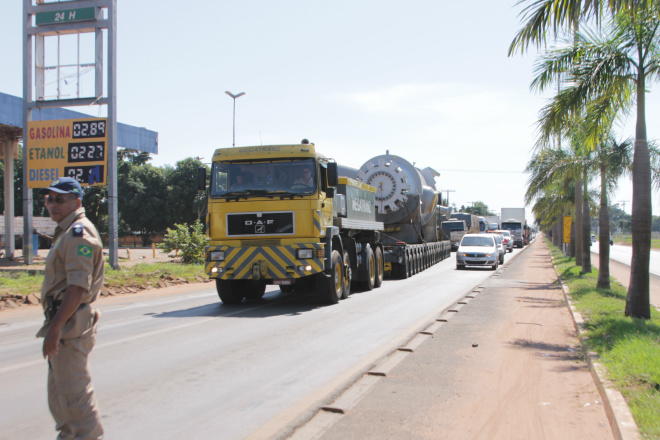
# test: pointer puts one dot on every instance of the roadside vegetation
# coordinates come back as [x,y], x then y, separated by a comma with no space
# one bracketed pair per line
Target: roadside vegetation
[628,347]
[627,240]
[139,276]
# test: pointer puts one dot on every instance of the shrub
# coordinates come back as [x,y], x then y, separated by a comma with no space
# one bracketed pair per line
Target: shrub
[190,241]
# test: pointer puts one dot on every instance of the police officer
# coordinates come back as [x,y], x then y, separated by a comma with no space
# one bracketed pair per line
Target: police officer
[73,279]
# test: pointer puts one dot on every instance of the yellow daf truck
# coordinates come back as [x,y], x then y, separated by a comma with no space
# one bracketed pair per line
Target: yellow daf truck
[280,214]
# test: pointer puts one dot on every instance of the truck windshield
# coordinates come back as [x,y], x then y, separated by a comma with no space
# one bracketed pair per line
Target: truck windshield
[245,179]
[512,226]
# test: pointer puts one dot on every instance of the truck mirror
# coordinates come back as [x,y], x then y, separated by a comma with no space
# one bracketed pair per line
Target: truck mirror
[330,192]
[333,176]
[201,179]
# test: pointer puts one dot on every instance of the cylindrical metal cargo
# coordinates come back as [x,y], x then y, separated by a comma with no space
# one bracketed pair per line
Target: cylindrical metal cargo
[405,197]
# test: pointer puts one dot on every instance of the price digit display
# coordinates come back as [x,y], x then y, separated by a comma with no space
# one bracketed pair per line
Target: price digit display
[88,129]
[86,152]
[86,174]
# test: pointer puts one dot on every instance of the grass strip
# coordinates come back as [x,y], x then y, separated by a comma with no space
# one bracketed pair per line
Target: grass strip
[628,347]
[141,275]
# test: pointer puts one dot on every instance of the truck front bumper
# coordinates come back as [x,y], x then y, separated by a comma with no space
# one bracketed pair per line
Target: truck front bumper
[264,262]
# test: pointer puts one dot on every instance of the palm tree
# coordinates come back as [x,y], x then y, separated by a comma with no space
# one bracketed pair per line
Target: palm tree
[613,159]
[609,75]
[551,184]
[541,16]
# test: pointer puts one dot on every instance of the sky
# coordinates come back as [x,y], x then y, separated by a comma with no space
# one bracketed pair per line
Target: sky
[426,80]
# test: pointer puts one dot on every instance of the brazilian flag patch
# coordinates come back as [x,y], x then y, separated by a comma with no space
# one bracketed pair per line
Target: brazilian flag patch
[85,251]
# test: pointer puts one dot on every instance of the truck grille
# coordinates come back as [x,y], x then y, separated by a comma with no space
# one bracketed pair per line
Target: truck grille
[263,223]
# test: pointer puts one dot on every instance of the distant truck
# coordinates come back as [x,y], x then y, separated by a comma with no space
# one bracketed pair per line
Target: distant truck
[492,222]
[471,221]
[483,226]
[513,220]
[454,230]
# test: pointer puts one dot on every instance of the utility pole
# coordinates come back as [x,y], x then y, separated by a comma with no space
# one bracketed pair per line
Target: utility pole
[623,202]
[447,191]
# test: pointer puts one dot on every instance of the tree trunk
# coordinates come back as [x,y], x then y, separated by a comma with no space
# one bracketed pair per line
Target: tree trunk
[603,234]
[586,228]
[638,301]
[578,221]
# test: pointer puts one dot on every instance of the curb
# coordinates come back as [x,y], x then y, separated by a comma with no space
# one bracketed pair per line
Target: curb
[618,413]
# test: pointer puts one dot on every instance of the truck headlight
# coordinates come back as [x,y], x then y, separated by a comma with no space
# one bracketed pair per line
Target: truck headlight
[218,256]
[304,254]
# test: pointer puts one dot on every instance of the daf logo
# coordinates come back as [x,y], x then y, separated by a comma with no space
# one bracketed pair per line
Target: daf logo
[259,222]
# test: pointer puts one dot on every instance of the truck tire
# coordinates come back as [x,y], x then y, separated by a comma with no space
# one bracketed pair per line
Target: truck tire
[409,264]
[329,286]
[380,267]
[370,265]
[348,276]
[254,290]
[229,291]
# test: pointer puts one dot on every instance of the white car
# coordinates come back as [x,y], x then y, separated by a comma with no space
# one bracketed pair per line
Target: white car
[508,239]
[478,250]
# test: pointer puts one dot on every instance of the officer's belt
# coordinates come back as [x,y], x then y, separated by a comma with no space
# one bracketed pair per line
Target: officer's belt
[54,306]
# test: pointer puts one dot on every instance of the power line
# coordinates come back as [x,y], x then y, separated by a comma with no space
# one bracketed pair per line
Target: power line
[480,171]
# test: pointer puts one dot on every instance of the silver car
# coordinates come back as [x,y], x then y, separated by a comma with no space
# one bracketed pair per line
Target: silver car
[508,239]
[478,250]
[501,246]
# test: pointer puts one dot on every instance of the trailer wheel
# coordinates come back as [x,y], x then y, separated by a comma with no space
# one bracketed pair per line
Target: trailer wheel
[369,283]
[229,291]
[254,290]
[380,267]
[348,276]
[330,287]
[402,268]
[409,264]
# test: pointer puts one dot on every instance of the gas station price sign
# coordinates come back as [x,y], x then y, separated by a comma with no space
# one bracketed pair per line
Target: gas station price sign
[67,148]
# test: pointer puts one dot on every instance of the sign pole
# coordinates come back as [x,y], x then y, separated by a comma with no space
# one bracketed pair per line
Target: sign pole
[27,116]
[113,211]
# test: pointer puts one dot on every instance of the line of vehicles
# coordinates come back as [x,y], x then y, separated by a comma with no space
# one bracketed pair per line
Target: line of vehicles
[288,215]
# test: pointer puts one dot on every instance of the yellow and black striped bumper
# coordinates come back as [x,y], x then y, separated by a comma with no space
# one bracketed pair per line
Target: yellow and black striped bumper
[264,262]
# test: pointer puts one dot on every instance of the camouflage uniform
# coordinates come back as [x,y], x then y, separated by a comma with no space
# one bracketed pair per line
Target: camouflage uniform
[76,258]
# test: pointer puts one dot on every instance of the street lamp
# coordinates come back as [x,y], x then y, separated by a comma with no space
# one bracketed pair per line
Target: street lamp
[234,124]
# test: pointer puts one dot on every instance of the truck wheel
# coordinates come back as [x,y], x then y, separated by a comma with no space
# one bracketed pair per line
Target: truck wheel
[287,288]
[402,269]
[330,287]
[254,290]
[409,264]
[369,283]
[380,267]
[229,291]
[348,276]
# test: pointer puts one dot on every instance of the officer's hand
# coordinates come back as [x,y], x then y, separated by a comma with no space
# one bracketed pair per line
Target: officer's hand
[51,342]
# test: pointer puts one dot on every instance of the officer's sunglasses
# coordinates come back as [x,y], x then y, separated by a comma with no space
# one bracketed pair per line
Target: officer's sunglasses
[57,199]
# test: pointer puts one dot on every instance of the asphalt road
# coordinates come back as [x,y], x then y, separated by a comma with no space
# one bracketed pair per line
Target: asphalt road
[623,254]
[185,365]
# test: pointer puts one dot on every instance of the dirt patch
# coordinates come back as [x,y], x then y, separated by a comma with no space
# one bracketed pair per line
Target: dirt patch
[126,257]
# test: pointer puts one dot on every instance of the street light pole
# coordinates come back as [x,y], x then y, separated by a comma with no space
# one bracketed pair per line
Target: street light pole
[234,119]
